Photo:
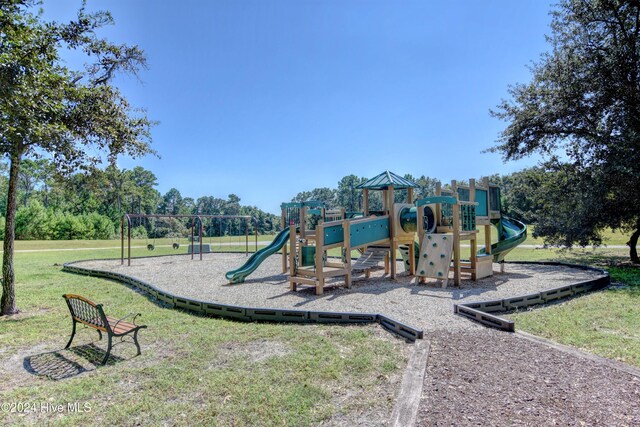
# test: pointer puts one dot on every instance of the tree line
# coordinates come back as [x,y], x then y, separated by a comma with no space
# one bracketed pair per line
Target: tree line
[90,204]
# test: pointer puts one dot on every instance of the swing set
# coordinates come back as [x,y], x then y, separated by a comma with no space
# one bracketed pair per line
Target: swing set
[219,229]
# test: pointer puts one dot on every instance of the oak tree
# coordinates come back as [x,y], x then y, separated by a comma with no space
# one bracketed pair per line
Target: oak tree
[49,109]
[581,111]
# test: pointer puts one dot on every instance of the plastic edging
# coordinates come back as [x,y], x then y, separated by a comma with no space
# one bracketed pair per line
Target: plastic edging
[251,314]
[482,311]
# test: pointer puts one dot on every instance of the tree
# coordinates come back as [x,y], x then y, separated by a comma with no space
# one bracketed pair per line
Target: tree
[171,202]
[584,99]
[31,174]
[347,195]
[46,107]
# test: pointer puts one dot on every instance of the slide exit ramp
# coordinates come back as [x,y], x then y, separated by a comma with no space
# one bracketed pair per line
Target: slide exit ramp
[238,275]
[511,233]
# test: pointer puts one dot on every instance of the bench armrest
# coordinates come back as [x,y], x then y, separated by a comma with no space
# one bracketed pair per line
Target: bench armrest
[135,316]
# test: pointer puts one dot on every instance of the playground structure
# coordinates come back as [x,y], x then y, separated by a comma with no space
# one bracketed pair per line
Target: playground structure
[199,227]
[440,223]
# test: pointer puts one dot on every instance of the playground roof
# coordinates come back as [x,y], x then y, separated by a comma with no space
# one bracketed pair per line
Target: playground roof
[385,180]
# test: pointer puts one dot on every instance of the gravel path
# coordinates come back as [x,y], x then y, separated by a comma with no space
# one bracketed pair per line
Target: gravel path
[424,306]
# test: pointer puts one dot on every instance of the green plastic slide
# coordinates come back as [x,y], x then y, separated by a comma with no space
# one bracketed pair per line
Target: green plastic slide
[238,275]
[510,234]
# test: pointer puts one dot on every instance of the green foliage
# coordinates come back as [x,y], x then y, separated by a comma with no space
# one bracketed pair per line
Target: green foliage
[584,99]
[325,195]
[34,222]
[347,195]
[139,232]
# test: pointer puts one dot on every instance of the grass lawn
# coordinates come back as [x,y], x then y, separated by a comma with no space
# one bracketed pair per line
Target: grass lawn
[193,369]
[606,323]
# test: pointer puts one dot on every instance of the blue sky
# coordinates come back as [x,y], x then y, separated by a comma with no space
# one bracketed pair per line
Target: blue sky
[265,99]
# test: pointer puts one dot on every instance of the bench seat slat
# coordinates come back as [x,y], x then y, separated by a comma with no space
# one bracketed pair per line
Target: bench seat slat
[122,327]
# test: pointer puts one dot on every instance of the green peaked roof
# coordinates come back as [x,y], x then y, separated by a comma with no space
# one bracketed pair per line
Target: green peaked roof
[386,179]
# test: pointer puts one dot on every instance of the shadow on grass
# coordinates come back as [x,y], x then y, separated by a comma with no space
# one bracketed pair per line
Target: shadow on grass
[68,363]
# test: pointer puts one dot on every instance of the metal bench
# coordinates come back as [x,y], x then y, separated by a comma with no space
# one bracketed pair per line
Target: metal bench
[92,315]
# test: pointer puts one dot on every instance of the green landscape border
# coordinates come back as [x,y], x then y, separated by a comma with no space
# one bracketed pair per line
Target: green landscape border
[249,314]
[481,311]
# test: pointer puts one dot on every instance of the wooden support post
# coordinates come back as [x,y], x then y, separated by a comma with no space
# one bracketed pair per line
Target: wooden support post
[456,241]
[303,222]
[409,195]
[392,230]
[412,259]
[473,258]
[420,225]
[346,226]
[485,184]
[472,190]
[292,255]
[386,263]
[421,233]
[473,254]
[365,195]
[283,224]
[438,212]
[319,262]
[487,239]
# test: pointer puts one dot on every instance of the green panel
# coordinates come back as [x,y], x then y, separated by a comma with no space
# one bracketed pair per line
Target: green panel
[468,213]
[308,256]
[333,234]
[481,197]
[314,211]
[313,203]
[370,231]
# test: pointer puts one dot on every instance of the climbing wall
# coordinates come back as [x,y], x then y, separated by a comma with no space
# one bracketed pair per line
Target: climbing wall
[435,256]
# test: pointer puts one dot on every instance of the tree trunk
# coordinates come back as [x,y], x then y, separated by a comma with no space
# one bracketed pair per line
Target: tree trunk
[633,241]
[8,302]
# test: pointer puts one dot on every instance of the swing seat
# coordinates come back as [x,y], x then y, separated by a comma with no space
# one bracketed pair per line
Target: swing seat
[150,247]
[176,246]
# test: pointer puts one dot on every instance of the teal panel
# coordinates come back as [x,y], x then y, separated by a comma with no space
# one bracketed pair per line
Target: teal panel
[314,211]
[481,197]
[369,231]
[308,256]
[333,234]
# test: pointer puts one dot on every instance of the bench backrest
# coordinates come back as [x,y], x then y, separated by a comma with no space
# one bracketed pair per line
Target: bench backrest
[86,311]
